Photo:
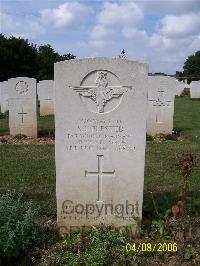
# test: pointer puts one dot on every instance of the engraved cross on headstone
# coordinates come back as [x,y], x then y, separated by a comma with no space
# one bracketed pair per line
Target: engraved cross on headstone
[159,102]
[100,174]
[22,115]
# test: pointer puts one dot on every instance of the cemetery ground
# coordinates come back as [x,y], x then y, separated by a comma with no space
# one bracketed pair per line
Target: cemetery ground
[30,169]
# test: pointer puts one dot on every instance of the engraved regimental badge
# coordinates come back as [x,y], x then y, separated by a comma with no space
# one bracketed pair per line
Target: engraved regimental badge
[21,87]
[104,95]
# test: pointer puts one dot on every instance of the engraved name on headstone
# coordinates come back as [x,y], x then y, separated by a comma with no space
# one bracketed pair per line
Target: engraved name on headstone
[160,111]
[158,103]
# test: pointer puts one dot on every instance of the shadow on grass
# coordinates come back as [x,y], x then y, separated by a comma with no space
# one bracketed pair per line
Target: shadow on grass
[46,133]
[3,133]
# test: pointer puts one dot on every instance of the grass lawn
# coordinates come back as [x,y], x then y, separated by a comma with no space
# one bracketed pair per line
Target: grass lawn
[31,168]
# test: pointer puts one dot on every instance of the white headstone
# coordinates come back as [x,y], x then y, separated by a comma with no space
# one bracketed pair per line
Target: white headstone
[4,97]
[22,106]
[100,122]
[195,89]
[187,86]
[45,90]
[160,109]
[180,85]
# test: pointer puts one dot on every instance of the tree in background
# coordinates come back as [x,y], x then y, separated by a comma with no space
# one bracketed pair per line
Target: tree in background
[191,67]
[46,58]
[18,58]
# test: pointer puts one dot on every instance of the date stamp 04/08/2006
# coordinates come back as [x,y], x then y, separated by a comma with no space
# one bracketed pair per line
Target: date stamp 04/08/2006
[151,247]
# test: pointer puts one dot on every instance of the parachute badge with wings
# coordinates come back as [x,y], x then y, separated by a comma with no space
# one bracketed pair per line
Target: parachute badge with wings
[101,93]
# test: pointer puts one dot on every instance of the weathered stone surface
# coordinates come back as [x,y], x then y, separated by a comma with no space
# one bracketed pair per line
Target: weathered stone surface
[4,101]
[195,89]
[22,106]
[45,89]
[160,109]
[100,121]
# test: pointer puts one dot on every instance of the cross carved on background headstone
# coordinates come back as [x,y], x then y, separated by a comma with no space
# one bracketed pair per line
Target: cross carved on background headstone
[22,115]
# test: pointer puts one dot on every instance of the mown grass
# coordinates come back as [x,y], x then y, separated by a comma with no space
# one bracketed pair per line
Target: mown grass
[187,117]
[31,168]
[161,174]
[46,127]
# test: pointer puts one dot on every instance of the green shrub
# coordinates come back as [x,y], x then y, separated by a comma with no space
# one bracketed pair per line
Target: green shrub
[17,228]
[4,115]
[20,136]
[99,246]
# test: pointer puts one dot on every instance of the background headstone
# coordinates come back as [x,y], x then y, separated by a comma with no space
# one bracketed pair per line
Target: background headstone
[187,86]
[45,89]
[180,85]
[22,106]
[195,89]
[4,97]
[160,109]
[100,119]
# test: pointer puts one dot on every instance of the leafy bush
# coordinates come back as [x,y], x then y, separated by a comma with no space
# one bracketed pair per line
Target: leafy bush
[99,246]
[20,136]
[17,228]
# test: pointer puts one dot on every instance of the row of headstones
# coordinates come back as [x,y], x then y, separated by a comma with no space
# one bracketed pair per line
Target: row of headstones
[44,90]
[20,95]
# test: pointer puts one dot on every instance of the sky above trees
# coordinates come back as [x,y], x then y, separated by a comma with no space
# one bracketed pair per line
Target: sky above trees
[162,33]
